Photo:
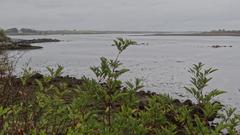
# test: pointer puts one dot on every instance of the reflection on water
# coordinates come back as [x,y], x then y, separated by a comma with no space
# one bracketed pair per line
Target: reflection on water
[162,63]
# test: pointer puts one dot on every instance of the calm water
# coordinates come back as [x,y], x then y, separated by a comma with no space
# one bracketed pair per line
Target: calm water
[162,64]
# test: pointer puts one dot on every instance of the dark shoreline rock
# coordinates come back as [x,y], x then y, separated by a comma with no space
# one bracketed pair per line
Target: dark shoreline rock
[16,46]
[22,44]
[220,46]
[33,41]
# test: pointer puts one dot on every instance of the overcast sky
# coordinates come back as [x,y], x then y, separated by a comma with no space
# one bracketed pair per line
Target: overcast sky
[159,15]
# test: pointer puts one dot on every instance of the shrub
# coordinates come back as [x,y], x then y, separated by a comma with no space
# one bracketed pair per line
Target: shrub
[3,37]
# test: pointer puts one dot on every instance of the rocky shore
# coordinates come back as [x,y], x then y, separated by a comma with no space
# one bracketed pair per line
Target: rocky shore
[20,44]
[33,41]
[17,46]
[220,46]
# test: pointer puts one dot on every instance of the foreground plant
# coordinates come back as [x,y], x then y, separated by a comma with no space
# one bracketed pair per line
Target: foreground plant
[200,79]
[110,91]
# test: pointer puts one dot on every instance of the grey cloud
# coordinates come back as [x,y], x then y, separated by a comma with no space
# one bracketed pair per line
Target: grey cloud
[121,14]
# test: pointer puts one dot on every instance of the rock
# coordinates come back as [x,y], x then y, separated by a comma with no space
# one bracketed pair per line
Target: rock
[219,46]
[179,61]
[197,110]
[141,93]
[70,81]
[216,46]
[177,102]
[154,93]
[37,76]
[188,103]
[33,41]
[17,46]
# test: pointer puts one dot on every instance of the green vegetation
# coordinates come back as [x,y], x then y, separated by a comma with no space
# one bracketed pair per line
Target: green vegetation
[106,105]
[3,37]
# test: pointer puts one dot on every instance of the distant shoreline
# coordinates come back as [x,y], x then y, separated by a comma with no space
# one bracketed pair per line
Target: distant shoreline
[26,32]
[195,34]
[137,34]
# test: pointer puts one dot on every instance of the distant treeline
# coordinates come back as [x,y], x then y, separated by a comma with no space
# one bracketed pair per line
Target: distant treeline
[27,31]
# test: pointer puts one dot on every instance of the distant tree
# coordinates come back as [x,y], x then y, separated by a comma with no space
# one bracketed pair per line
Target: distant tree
[28,31]
[12,31]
